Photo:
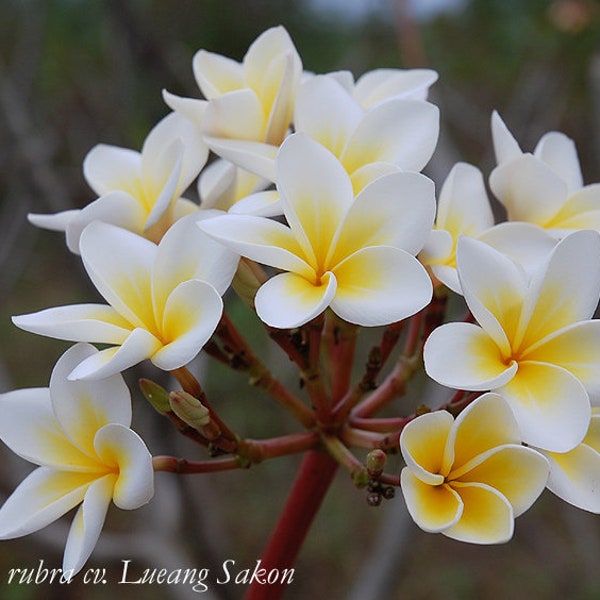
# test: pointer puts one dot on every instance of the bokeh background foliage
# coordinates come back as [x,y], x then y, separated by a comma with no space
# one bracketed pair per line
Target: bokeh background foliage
[74,73]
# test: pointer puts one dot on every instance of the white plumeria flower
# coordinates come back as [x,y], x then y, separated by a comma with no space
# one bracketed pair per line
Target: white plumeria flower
[355,255]
[469,478]
[575,475]
[249,105]
[535,344]
[164,301]
[139,191]
[381,85]
[464,209]
[544,187]
[398,134]
[79,434]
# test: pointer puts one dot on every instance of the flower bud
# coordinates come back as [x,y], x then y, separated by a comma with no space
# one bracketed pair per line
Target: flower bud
[248,278]
[376,462]
[189,409]
[156,395]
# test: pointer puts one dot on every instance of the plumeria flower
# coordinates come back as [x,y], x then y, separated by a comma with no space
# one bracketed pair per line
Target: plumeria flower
[380,85]
[164,302]
[355,255]
[464,209]
[398,134]
[139,191]
[469,478]
[79,434]
[575,475]
[544,187]
[535,344]
[249,105]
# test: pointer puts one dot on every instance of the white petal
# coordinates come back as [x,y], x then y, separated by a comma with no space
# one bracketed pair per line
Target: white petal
[110,168]
[82,408]
[77,323]
[119,264]
[261,204]
[401,132]
[29,428]
[494,289]
[42,497]
[559,152]
[379,285]
[216,74]
[259,239]
[288,300]
[190,108]
[327,113]
[195,151]
[529,189]
[464,207]
[139,346]
[56,222]
[316,193]
[464,357]
[527,244]
[395,210]
[237,115]
[186,252]
[119,445]
[191,315]
[118,208]
[566,291]
[505,145]
[575,477]
[448,276]
[87,525]
[380,85]
[551,406]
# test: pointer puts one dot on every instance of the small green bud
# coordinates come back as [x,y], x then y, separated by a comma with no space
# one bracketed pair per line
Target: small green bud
[156,395]
[189,409]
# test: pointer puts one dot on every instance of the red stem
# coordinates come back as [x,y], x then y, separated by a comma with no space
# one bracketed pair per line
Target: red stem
[312,482]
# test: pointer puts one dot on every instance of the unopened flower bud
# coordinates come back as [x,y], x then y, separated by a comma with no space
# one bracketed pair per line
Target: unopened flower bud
[248,278]
[189,409]
[376,462]
[156,395]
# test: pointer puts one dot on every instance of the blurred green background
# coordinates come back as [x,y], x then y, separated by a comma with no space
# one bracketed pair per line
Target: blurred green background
[74,73]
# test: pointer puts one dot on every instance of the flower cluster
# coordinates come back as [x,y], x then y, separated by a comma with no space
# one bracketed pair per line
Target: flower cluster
[316,212]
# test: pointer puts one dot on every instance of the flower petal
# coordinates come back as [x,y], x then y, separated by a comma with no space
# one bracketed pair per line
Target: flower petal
[140,345]
[485,424]
[30,429]
[559,152]
[236,115]
[380,85]
[464,357]
[379,285]
[566,291]
[395,210]
[575,477]
[422,443]
[518,473]
[505,146]
[575,348]
[111,168]
[122,448]
[580,211]
[77,323]
[192,312]
[263,240]
[433,508]
[87,524]
[316,193]
[217,74]
[529,189]
[119,264]
[487,516]
[494,288]
[289,300]
[399,131]
[82,408]
[42,497]
[551,406]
